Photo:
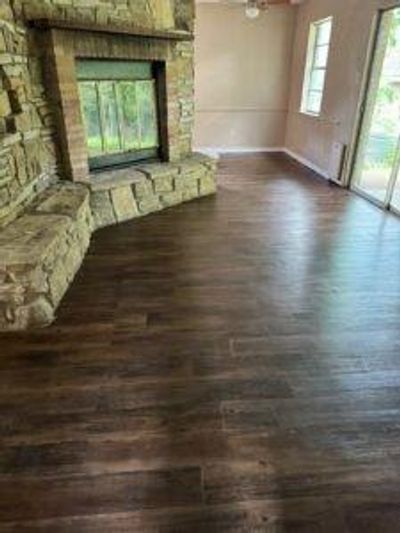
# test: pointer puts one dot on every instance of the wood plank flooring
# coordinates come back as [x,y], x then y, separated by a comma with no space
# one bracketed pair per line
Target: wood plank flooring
[232,364]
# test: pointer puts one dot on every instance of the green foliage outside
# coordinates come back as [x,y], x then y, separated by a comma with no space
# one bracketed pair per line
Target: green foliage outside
[385,131]
[119,116]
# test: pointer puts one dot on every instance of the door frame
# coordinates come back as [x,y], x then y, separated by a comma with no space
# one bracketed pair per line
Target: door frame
[360,115]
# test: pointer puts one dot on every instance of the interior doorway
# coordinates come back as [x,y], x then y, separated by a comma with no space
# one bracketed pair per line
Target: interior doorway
[376,168]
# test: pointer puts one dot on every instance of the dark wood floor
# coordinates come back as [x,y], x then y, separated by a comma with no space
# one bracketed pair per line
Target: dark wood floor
[227,365]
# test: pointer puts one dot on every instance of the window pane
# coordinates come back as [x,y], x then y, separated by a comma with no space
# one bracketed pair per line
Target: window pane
[314,101]
[147,112]
[91,117]
[316,66]
[109,117]
[128,115]
[321,56]
[317,80]
[324,32]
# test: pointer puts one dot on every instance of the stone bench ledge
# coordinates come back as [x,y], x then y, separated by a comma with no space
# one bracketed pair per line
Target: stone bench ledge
[29,238]
[65,199]
[40,253]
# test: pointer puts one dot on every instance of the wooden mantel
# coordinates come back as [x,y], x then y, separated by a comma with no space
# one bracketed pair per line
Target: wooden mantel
[170,35]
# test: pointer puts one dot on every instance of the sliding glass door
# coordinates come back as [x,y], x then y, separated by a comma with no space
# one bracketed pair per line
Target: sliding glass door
[377,161]
[395,200]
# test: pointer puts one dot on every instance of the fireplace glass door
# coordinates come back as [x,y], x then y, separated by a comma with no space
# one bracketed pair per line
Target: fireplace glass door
[119,109]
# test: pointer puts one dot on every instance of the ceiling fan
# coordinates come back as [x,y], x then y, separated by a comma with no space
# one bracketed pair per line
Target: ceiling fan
[253,8]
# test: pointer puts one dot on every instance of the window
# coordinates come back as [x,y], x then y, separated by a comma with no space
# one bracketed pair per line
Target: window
[119,108]
[317,62]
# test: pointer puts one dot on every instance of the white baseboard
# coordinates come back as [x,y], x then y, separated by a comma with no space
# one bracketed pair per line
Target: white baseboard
[218,151]
[221,150]
[303,161]
[212,152]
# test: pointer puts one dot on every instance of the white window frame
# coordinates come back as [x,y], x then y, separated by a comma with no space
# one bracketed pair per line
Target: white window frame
[311,66]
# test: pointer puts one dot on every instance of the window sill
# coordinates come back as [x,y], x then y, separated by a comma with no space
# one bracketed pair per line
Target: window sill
[310,114]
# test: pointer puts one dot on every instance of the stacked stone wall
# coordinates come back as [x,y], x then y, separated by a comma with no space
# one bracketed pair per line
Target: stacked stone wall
[28,156]
[40,255]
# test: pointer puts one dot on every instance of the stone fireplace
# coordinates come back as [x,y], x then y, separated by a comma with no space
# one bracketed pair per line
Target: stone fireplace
[96,118]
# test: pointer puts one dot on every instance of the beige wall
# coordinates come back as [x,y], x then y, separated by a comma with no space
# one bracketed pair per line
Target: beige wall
[242,76]
[314,138]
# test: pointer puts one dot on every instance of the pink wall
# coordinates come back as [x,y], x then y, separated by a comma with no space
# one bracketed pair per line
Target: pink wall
[249,77]
[242,76]
[310,137]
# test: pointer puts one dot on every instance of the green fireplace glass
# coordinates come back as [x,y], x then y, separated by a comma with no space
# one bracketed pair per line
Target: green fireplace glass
[119,109]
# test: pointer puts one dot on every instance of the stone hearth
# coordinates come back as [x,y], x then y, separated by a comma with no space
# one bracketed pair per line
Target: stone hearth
[50,202]
[134,192]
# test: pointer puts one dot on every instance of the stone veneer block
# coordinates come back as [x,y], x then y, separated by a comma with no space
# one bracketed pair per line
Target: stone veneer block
[190,194]
[207,185]
[143,189]
[65,200]
[41,253]
[186,183]
[124,203]
[170,199]
[149,204]
[163,184]
[155,171]
[113,179]
[102,209]
[29,239]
